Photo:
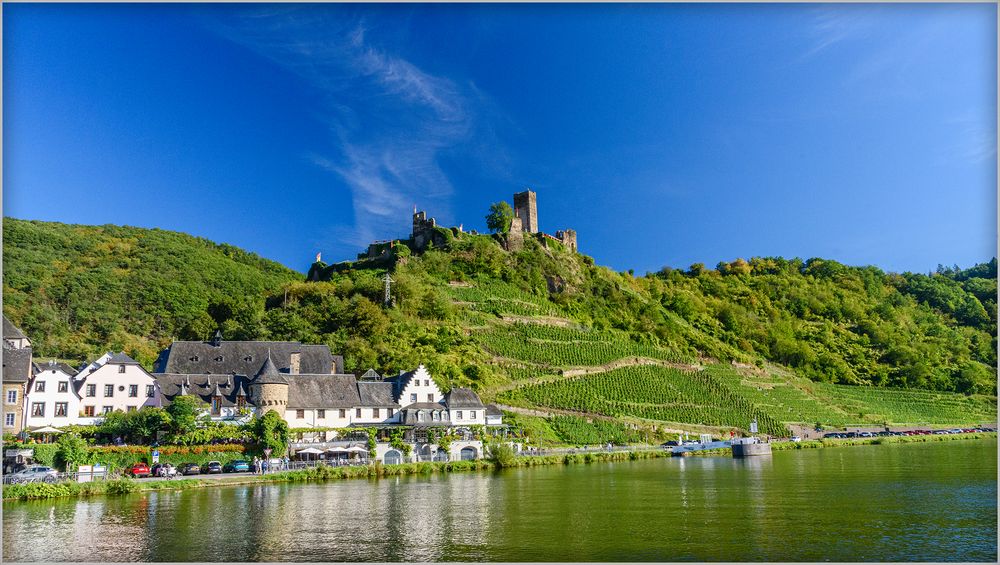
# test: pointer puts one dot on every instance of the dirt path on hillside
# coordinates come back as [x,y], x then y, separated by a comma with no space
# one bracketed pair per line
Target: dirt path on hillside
[541,320]
[593,370]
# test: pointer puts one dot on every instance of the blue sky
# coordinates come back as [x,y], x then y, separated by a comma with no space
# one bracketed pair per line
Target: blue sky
[664,134]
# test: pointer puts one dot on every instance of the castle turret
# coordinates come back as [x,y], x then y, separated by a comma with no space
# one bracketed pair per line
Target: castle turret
[269,388]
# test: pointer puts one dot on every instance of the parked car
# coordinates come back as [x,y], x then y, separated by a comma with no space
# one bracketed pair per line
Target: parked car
[796,439]
[238,466]
[163,470]
[670,443]
[34,473]
[212,467]
[138,470]
[189,469]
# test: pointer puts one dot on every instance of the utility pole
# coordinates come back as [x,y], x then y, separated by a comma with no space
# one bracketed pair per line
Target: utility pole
[388,296]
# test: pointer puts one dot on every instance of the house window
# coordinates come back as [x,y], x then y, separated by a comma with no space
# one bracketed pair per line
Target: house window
[91,390]
[374,412]
[61,409]
[106,409]
[427,383]
[8,419]
[63,386]
[321,414]
[343,413]
[472,415]
[40,386]
[133,391]
[391,412]
[420,415]
[430,397]
[216,405]
[357,413]
[88,411]
[121,368]
[458,415]
[130,409]
[37,409]
[413,398]
[11,397]
[150,391]
[300,414]
[109,391]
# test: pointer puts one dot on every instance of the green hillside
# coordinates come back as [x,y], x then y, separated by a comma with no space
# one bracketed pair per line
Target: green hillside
[79,291]
[544,330]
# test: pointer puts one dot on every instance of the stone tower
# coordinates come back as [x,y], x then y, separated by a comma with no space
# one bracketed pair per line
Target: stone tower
[526,208]
[269,389]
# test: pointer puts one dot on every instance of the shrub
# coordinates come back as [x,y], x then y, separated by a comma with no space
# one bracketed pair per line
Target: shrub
[121,486]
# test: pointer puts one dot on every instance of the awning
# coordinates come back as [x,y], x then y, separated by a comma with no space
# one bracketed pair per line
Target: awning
[312,450]
[357,449]
[46,430]
[338,450]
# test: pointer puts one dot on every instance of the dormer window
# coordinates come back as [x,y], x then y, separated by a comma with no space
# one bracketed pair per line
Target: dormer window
[121,368]
[219,358]
[248,358]
[193,358]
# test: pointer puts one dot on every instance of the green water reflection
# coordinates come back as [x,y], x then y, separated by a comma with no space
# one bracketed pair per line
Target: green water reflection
[926,502]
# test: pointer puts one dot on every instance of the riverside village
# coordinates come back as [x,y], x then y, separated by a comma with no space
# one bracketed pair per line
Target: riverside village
[334,417]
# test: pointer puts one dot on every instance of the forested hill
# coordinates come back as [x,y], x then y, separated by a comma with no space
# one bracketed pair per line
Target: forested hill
[81,290]
[78,291]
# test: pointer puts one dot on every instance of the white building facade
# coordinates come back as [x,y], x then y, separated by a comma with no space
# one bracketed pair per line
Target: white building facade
[120,383]
[52,398]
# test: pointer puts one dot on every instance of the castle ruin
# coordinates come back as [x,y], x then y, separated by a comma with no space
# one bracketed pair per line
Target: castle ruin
[526,220]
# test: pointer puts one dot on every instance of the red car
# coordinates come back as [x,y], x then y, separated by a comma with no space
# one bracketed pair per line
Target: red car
[139,470]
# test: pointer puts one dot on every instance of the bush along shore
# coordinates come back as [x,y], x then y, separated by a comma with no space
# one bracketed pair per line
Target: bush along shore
[853,442]
[503,458]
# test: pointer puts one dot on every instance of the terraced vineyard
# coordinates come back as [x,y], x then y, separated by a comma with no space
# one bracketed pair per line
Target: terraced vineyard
[900,405]
[565,347]
[500,298]
[576,430]
[654,393]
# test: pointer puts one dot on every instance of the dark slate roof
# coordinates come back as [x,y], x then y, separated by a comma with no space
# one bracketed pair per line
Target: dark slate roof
[268,373]
[376,394]
[16,365]
[10,331]
[322,391]
[202,386]
[492,410]
[399,383]
[461,397]
[39,367]
[425,406]
[121,359]
[245,357]
[371,375]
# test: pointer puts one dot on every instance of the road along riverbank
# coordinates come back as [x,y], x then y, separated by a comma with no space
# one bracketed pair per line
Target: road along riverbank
[35,491]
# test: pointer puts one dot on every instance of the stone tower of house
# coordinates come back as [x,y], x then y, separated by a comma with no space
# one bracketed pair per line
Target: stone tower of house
[269,389]
[526,208]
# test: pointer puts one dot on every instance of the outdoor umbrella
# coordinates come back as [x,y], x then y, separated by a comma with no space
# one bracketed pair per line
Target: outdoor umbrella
[47,430]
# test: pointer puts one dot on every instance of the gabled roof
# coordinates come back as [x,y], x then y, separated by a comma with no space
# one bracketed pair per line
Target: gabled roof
[376,394]
[461,397]
[53,365]
[121,359]
[244,357]
[10,331]
[371,375]
[322,391]
[16,365]
[492,410]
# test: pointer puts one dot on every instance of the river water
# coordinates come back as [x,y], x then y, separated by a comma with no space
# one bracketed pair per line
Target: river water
[913,502]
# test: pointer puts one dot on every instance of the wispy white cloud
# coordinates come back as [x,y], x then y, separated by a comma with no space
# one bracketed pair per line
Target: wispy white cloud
[977,138]
[835,24]
[390,119]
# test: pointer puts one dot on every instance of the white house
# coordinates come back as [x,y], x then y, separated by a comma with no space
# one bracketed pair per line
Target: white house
[120,383]
[52,398]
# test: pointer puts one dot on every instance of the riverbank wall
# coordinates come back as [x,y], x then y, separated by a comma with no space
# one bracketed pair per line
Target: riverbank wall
[35,491]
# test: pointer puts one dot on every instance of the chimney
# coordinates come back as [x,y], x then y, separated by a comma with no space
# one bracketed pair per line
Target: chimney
[295,363]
